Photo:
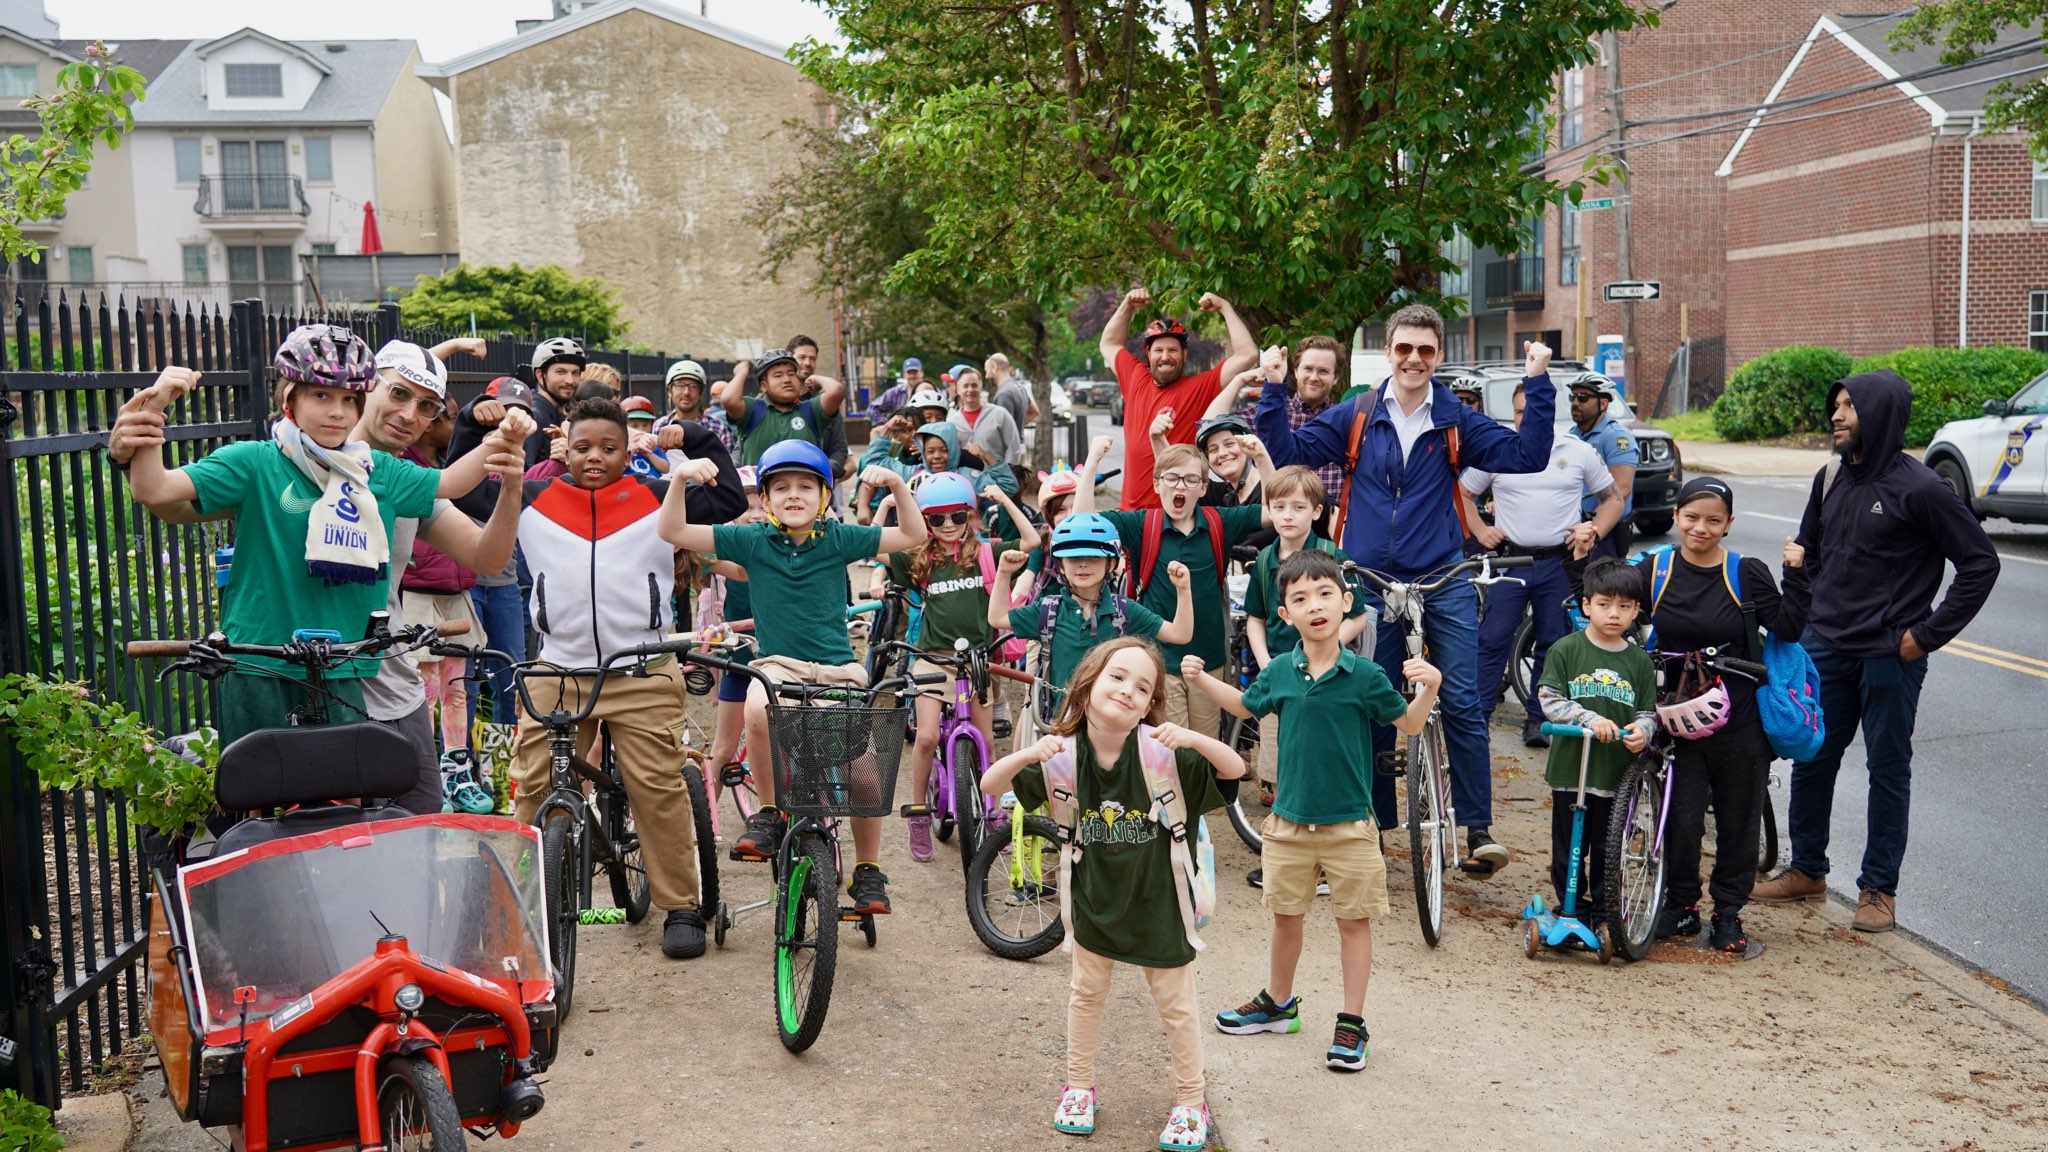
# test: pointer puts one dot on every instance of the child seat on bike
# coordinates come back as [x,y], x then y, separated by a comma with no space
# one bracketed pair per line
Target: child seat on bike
[336,773]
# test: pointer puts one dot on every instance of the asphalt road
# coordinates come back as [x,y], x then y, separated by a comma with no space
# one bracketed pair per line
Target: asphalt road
[1970,883]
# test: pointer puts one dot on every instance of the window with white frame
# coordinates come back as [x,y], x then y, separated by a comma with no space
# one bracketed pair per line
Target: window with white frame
[78,263]
[17,80]
[195,263]
[2037,321]
[254,80]
[1571,108]
[186,150]
[2041,193]
[1567,244]
[320,158]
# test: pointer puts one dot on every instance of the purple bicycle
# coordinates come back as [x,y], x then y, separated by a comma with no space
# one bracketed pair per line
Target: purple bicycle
[1635,832]
[953,796]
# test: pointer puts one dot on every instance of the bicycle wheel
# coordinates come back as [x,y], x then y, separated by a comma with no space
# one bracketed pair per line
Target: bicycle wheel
[884,627]
[1635,857]
[707,842]
[1013,900]
[627,867]
[1430,836]
[1522,662]
[415,1109]
[969,807]
[559,853]
[1246,802]
[806,943]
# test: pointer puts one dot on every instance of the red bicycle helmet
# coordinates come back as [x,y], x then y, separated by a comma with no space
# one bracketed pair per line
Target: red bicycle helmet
[326,354]
[1165,326]
[642,404]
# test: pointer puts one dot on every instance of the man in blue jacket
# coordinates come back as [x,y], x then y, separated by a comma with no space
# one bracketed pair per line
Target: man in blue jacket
[1879,529]
[1412,436]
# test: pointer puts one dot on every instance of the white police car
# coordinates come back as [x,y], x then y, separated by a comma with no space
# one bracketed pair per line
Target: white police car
[1998,462]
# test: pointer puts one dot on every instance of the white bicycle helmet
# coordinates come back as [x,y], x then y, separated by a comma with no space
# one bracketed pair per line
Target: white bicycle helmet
[1701,708]
[557,348]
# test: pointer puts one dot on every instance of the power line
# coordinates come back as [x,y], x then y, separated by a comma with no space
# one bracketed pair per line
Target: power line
[1779,50]
[1997,56]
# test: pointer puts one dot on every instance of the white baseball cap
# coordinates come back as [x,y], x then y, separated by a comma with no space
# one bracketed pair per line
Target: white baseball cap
[416,364]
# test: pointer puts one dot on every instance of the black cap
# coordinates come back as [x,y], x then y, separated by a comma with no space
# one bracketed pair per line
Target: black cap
[1700,486]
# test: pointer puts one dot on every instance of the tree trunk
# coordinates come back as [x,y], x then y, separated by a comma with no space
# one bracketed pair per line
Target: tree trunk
[1044,451]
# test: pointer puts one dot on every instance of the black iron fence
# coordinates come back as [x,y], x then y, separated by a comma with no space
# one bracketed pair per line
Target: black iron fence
[83,570]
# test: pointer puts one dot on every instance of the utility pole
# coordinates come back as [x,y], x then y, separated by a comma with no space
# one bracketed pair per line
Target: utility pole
[1610,54]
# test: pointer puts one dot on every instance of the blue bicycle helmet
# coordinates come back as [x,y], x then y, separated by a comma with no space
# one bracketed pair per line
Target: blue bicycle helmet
[945,490]
[1227,422]
[1085,534]
[794,456]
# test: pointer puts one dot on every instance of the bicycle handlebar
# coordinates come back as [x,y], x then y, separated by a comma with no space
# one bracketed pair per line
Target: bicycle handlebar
[1487,562]
[305,653]
[1713,658]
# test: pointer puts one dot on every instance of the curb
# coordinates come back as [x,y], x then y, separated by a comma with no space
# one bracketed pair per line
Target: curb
[103,1123]
[2016,1009]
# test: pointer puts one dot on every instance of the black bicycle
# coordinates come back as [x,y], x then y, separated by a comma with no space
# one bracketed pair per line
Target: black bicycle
[582,832]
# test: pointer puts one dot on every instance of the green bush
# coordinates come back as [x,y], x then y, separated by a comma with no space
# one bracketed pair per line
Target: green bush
[1953,383]
[26,1125]
[1779,393]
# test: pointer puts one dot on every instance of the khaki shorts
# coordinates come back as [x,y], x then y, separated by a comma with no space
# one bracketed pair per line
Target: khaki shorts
[923,667]
[1192,708]
[784,670]
[1348,856]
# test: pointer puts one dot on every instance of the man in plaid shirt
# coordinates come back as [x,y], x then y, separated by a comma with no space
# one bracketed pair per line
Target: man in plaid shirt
[1318,383]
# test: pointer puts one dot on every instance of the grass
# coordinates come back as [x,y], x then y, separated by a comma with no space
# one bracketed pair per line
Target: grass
[1697,424]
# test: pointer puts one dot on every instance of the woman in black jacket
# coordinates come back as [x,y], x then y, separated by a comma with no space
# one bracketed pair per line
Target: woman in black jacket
[1694,606]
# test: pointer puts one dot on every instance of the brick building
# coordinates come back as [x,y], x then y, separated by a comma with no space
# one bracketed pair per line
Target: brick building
[1884,217]
[626,140]
[1701,60]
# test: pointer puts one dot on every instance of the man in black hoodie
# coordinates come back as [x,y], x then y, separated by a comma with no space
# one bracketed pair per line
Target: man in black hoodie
[1878,529]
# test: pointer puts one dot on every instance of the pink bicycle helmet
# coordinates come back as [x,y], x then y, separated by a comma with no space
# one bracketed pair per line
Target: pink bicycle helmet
[1701,707]
[326,354]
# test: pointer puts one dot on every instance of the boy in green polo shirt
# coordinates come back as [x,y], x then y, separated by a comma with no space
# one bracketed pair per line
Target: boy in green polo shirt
[780,412]
[1325,696]
[796,576]
[1187,533]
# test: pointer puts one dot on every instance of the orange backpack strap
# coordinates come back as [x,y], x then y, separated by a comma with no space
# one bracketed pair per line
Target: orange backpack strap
[1451,454]
[1361,412]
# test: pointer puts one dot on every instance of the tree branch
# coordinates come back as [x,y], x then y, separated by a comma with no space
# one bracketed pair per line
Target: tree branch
[1212,91]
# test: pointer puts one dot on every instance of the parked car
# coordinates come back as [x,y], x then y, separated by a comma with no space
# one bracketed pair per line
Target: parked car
[1985,460]
[1062,404]
[1659,474]
[1116,404]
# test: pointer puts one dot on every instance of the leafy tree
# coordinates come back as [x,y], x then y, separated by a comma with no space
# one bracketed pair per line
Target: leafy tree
[1305,158]
[90,104]
[544,300]
[1966,29]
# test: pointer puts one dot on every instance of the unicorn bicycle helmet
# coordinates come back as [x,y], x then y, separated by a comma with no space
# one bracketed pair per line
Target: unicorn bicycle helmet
[326,354]
[1085,534]
[1699,708]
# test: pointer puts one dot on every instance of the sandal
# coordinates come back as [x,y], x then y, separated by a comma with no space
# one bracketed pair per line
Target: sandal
[1186,1127]
[1076,1113]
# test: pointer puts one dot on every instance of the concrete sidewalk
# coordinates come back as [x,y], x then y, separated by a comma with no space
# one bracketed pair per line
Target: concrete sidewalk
[1728,459]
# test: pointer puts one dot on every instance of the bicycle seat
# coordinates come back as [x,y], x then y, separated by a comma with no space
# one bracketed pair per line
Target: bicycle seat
[279,767]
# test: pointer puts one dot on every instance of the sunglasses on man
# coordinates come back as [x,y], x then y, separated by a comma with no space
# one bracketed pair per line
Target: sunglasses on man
[1403,351]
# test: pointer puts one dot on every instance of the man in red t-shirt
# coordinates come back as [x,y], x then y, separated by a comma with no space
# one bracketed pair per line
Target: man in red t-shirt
[1156,382]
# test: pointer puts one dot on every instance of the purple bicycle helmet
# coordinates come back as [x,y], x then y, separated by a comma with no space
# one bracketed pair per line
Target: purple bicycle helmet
[326,354]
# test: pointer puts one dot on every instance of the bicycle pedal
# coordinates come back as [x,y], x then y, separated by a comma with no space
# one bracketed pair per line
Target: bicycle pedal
[734,853]
[914,810]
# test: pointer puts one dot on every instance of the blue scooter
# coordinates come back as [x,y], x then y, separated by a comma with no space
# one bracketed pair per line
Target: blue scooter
[1543,928]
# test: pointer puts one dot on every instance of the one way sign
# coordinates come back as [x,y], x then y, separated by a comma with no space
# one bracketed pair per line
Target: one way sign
[1633,290]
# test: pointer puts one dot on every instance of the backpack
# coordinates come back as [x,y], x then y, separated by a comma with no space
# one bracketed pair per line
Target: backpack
[1360,413]
[1044,692]
[1140,575]
[1788,701]
[1013,648]
[1197,868]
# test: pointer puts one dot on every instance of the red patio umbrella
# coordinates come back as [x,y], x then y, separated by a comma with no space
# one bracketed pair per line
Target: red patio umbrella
[371,241]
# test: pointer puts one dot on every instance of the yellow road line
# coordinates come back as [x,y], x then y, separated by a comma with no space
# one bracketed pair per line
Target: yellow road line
[1987,650]
[1956,648]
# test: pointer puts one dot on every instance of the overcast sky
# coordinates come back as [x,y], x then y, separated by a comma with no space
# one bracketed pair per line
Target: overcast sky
[444,28]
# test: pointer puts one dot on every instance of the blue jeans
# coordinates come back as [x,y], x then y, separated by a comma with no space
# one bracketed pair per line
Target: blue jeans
[1545,588]
[1881,694]
[1450,624]
[504,620]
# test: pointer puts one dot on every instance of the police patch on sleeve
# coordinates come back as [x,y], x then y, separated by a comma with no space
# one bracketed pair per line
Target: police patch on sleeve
[1621,444]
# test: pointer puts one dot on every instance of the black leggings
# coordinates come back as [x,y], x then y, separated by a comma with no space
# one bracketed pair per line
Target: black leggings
[1592,850]
[1731,768]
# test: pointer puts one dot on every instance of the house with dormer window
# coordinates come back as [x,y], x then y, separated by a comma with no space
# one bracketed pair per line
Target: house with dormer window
[249,153]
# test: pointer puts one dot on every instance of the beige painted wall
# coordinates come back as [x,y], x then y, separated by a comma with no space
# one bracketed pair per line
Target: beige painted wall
[415,169]
[101,214]
[629,150]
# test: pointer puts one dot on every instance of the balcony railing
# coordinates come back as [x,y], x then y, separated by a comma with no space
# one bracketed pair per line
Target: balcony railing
[1516,283]
[239,196]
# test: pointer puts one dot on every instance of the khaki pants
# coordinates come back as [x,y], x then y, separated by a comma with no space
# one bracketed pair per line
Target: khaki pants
[1173,994]
[645,718]
[1192,710]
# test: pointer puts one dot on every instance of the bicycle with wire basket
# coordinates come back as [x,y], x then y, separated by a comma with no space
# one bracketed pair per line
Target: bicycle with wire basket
[582,831]
[834,752]
[1426,760]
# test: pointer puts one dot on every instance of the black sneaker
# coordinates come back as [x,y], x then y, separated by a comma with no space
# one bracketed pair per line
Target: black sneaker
[1256,877]
[765,829]
[682,934]
[1532,734]
[869,890]
[1678,922]
[1483,856]
[1728,934]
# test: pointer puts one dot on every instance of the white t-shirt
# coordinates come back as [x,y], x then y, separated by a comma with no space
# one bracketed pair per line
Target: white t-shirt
[1538,509]
[1409,426]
